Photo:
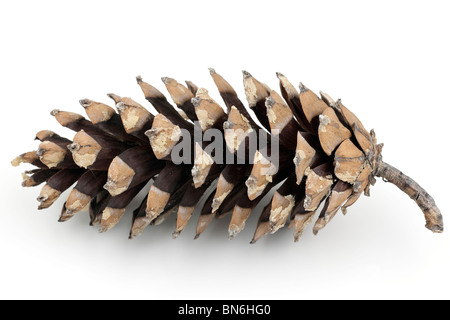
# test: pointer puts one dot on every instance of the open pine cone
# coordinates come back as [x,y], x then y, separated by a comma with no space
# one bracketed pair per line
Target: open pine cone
[316,152]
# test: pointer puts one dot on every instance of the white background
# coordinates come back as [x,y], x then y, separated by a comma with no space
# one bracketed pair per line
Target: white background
[387,60]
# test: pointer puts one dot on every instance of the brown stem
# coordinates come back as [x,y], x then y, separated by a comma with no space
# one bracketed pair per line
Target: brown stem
[433,216]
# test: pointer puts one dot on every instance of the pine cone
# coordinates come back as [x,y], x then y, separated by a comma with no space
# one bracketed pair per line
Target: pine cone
[113,156]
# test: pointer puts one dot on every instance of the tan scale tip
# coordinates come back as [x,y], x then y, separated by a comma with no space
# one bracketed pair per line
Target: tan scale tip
[138,227]
[115,97]
[233,230]
[16,161]
[47,197]
[85,103]
[50,153]
[262,229]
[65,214]
[280,210]
[203,222]
[260,177]
[166,80]
[238,219]
[163,136]
[156,202]
[302,87]
[65,117]
[43,134]
[27,157]
[175,234]
[110,217]
[27,181]
[77,201]
[246,74]
[301,221]
[183,216]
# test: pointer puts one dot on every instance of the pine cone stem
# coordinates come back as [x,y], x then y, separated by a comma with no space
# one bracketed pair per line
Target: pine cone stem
[433,217]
